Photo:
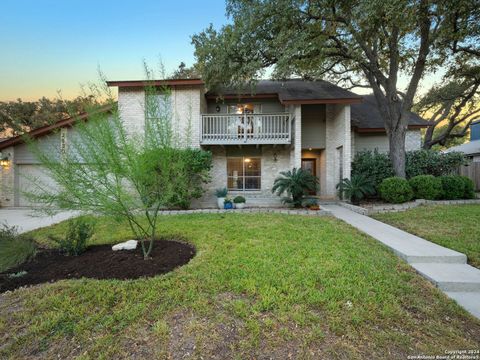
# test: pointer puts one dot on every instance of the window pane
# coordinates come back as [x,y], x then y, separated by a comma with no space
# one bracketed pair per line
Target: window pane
[252,167]
[235,167]
[235,183]
[252,183]
[243,173]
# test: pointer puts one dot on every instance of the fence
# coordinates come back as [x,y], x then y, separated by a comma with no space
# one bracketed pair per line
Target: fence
[473,172]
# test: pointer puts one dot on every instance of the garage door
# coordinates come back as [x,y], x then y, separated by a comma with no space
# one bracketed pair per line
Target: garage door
[31,178]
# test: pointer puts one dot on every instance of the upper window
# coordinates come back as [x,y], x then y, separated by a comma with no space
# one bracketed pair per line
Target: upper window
[243,173]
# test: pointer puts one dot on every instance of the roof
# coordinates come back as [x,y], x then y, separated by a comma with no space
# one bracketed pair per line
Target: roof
[293,91]
[47,129]
[470,148]
[163,82]
[366,116]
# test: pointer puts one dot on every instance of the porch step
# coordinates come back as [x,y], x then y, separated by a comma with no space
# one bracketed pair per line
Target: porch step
[451,277]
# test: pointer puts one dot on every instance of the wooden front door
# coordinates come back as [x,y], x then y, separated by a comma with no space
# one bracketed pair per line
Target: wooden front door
[310,165]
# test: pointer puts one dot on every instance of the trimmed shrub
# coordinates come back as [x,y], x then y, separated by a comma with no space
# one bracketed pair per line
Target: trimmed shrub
[469,190]
[395,190]
[426,187]
[453,187]
[239,199]
[373,166]
[430,162]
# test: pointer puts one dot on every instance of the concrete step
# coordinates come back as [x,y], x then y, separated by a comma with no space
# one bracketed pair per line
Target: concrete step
[451,277]
[411,248]
[469,300]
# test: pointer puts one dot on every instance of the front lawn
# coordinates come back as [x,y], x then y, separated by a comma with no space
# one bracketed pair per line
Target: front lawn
[453,226]
[260,286]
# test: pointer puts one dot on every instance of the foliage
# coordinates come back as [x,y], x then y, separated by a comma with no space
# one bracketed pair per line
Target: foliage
[373,166]
[395,190]
[366,44]
[14,248]
[309,202]
[228,200]
[184,72]
[453,226]
[260,273]
[426,187]
[110,170]
[296,183]
[356,188]
[221,193]
[239,199]
[469,188]
[19,116]
[376,166]
[79,231]
[430,162]
[453,187]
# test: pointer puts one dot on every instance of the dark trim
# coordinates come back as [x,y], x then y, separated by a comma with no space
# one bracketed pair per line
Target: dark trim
[48,129]
[382,130]
[143,83]
[241,97]
[322,101]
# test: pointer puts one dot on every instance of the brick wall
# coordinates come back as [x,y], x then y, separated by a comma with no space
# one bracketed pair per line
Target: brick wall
[7,180]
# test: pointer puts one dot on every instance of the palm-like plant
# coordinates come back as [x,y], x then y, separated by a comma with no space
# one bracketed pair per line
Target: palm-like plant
[296,183]
[356,188]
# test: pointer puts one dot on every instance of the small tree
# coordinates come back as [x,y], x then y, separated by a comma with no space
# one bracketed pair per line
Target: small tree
[104,169]
[296,183]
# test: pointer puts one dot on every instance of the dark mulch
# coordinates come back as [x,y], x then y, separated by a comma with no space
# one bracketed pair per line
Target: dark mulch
[99,262]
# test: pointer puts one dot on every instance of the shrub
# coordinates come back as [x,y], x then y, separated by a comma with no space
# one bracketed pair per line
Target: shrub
[79,231]
[373,166]
[430,162]
[453,187]
[469,190]
[356,188]
[309,202]
[296,183]
[221,193]
[395,190]
[426,187]
[14,248]
[239,199]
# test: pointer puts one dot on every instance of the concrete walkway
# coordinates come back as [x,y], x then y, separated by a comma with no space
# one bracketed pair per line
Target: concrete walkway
[27,220]
[447,269]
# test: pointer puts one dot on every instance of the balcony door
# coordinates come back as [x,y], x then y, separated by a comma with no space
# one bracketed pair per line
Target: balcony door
[310,165]
[245,123]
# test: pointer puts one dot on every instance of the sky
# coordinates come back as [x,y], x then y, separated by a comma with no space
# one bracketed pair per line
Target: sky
[56,45]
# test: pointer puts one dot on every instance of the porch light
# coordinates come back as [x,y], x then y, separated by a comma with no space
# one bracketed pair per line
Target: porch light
[247,160]
[4,162]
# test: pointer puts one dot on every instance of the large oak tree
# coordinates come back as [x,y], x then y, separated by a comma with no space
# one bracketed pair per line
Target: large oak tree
[385,45]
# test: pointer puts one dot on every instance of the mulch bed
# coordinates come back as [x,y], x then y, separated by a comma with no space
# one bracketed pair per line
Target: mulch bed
[99,262]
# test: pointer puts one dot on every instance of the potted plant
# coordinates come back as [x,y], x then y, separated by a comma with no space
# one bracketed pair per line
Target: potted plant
[227,203]
[221,194]
[239,202]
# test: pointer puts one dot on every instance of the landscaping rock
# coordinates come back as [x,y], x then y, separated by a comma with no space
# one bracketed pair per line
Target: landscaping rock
[127,245]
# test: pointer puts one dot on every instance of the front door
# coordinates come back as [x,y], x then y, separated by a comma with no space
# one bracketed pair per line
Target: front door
[310,165]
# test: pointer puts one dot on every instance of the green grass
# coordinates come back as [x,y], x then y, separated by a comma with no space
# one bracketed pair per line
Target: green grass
[15,251]
[260,285]
[453,226]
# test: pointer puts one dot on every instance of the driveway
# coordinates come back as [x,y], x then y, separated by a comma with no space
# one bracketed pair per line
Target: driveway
[27,220]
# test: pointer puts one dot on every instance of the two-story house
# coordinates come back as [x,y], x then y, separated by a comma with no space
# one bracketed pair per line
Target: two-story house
[253,134]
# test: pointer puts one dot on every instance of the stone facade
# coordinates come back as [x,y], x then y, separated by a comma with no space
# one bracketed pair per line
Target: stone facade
[7,179]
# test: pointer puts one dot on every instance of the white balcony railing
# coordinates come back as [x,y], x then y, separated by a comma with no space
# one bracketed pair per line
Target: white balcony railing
[224,129]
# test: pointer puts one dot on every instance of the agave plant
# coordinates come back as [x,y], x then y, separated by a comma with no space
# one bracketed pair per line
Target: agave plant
[356,188]
[296,183]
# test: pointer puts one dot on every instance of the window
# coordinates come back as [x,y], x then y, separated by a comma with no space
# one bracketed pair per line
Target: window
[243,173]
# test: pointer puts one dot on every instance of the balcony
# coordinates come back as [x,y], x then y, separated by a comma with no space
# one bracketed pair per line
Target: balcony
[245,129]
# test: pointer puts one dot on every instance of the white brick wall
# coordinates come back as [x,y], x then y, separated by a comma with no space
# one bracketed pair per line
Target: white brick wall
[379,141]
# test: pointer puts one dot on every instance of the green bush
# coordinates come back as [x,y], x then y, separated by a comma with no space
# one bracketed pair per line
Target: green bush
[430,162]
[395,190]
[221,193]
[469,190]
[356,188]
[426,187]
[14,248]
[296,183]
[373,166]
[239,199]
[453,187]
[79,231]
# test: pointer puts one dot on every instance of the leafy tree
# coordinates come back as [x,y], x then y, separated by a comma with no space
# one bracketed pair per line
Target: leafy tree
[451,107]
[296,183]
[184,72]
[106,170]
[372,44]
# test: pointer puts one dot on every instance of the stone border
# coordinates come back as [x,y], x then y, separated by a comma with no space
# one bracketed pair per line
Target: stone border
[378,209]
[248,211]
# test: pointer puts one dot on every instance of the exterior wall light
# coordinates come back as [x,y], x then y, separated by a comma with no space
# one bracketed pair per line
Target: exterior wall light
[4,161]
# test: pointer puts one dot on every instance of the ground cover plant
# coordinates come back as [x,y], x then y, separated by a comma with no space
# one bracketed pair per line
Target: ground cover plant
[14,248]
[260,286]
[452,226]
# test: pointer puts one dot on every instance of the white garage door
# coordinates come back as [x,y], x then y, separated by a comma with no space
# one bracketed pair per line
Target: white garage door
[31,178]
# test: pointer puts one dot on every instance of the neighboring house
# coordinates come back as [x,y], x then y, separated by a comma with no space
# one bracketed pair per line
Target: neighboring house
[253,135]
[470,149]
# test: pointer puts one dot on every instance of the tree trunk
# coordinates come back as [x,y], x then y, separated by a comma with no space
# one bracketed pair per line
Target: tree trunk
[396,139]
[427,140]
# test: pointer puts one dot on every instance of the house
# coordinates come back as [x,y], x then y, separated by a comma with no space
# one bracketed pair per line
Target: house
[470,149]
[253,134]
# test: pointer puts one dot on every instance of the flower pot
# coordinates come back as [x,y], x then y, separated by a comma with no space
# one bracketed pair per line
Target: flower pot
[239,205]
[228,205]
[220,202]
